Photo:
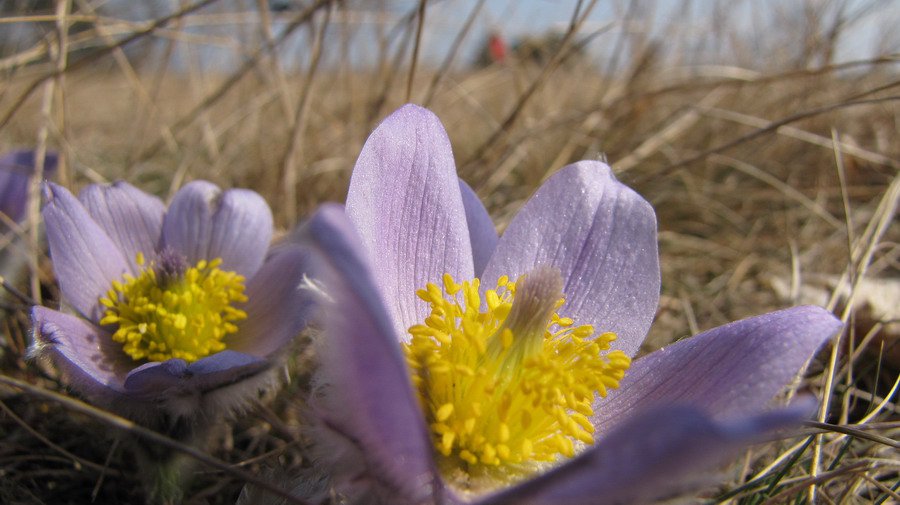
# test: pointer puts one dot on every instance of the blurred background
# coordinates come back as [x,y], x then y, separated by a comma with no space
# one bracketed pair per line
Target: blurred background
[765,133]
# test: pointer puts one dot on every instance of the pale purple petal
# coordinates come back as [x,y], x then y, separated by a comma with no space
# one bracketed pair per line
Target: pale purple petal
[655,455]
[204,223]
[405,202]
[728,371]
[176,377]
[277,308]
[367,392]
[85,258]
[92,363]
[89,361]
[482,233]
[131,218]
[16,168]
[601,235]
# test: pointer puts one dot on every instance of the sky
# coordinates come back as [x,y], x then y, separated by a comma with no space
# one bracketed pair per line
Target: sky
[752,18]
[756,28]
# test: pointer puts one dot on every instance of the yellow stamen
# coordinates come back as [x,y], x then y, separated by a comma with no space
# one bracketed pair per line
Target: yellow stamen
[174,312]
[507,385]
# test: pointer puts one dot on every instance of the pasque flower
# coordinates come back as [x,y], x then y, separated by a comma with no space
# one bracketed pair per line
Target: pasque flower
[16,170]
[456,366]
[168,315]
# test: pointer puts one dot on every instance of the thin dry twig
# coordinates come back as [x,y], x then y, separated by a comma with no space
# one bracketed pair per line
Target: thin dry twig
[77,460]
[416,47]
[774,126]
[127,426]
[451,54]
[298,127]
[301,19]
[99,53]
[578,19]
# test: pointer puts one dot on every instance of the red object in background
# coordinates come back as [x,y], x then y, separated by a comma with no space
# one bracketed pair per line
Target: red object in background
[497,48]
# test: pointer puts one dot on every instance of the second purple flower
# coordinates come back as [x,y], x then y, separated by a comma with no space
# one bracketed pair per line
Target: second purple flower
[167,314]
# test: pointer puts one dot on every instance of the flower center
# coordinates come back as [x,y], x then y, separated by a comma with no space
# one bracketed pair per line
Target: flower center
[173,310]
[507,385]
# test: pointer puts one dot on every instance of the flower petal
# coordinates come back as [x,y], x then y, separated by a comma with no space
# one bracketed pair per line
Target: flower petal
[645,459]
[368,401]
[16,168]
[159,380]
[205,222]
[482,233]
[131,218]
[601,235]
[85,258]
[728,371]
[92,363]
[405,202]
[277,309]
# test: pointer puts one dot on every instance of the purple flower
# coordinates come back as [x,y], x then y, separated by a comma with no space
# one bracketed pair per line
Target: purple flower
[440,389]
[168,314]
[16,169]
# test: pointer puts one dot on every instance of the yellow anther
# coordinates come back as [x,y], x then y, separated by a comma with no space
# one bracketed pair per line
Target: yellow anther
[450,286]
[504,432]
[185,316]
[508,386]
[445,411]
[447,442]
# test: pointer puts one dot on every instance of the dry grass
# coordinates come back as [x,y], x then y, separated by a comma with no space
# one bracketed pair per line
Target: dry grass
[765,167]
